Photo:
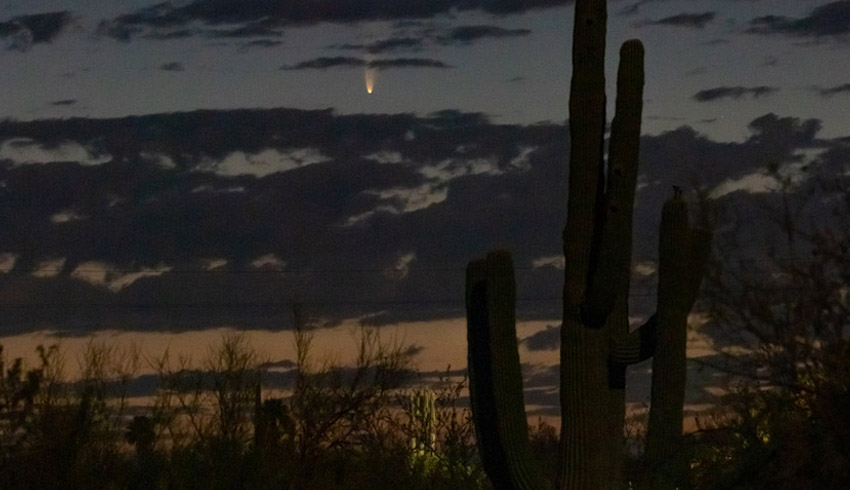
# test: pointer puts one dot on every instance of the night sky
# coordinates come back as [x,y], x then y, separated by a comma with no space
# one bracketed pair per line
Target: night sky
[181,166]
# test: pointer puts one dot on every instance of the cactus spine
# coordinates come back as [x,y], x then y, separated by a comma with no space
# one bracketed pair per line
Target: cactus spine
[596,345]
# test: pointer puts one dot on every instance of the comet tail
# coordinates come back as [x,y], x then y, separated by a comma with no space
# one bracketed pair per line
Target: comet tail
[370,79]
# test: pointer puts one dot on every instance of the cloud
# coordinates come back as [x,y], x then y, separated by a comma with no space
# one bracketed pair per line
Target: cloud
[323,63]
[253,29]
[461,35]
[268,262]
[695,20]
[265,195]
[829,20]
[141,215]
[470,33]
[65,216]
[401,268]
[384,45]
[836,90]
[262,16]
[264,163]
[758,182]
[26,30]
[717,93]
[160,35]
[26,151]
[401,200]
[556,261]
[173,66]
[262,43]
[108,276]
[407,63]
[388,157]
[633,8]
[50,267]
[547,339]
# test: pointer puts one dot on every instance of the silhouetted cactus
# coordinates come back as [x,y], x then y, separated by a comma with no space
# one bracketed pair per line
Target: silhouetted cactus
[596,345]
[423,422]
[683,256]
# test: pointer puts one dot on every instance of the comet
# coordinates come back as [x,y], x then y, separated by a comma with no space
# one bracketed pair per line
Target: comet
[370,76]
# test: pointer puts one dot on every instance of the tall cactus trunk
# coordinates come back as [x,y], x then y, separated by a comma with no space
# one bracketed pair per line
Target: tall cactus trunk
[597,252]
[596,344]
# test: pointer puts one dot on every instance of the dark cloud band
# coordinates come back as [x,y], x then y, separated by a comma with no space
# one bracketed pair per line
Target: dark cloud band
[698,21]
[27,30]
[718,93]
[323,63]
[836,90]
[830,20]
[264,15]
[209,218]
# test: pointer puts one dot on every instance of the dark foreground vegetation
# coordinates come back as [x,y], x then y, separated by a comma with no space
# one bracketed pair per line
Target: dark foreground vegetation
[217,426]
[782,324]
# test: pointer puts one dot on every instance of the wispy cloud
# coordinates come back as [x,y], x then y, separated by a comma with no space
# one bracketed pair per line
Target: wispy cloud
[326,62]
[383,45]
[265,17]
[173,66]
[262,43]
[407,63]
[695,20]
[468,34]
[830,91]
[460,35]
[633,9]
[717,93]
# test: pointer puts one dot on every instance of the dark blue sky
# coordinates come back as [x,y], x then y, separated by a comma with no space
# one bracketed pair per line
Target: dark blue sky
[712,64]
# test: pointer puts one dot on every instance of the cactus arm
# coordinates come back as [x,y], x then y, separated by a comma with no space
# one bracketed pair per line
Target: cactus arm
[587,135]
[495,376]
[683,254]
[636,346]
[610,277]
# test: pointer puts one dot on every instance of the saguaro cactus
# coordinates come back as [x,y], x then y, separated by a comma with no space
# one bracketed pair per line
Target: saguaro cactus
[596,344]
[422,412]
